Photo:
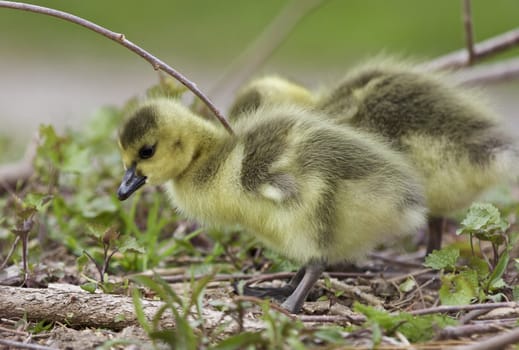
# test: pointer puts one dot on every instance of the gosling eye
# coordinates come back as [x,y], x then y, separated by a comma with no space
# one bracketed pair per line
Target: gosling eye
[147,151]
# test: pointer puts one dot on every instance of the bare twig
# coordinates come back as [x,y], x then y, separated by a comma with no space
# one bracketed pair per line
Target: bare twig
[337,319]
[355,292]
[497,342]
[488,73]
[14,331]
[472,315]
[486,48]
[11,251]
[468,330]
[20,345]
[467,25]
[120,38]
[448,308]
[263,46]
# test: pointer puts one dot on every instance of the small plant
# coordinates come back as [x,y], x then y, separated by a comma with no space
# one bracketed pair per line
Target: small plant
[188,332]
[414,328]
[481,278]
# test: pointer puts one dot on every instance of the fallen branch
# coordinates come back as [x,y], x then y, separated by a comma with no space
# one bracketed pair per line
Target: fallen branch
[121,39]
[458,308]
[497,342]
[488,73]
[484,49]
[353,291]
[75,308]
[20,345]
[468,330]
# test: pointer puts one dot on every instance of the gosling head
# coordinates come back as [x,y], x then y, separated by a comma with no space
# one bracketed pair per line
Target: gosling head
[155,145]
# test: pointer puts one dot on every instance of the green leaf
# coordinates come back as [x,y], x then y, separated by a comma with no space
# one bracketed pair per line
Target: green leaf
[330,335]
[459,289]
[89,287]
[494,279]
[414,328]
[484,221]
[139,311]
[444,259]
[81,262]
[240,341]
[479,216]
[97,206]
[130,244]
[41,326]
[515,292]
[407,286]
[37,201]
[75,159]
[480,266]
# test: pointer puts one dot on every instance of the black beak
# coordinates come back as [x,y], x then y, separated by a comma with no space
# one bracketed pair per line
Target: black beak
[131,183]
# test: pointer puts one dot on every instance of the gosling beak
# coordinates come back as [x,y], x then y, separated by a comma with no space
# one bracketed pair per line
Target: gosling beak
[131,183]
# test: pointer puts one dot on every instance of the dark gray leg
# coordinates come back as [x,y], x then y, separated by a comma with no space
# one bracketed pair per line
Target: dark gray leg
[294,281]
[436,228]
[278,293]
[312,272]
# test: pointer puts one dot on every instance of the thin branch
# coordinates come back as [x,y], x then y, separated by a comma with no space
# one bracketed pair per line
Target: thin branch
[263,46]
[120,38]
[488,73]
[20,345]
[11,251]
[451,332]
[353,291]
[448,308]
[497,342]
[336,319]
[484,49]
[467,25]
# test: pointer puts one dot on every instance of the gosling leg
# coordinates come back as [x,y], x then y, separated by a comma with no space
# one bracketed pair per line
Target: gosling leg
[436,228]
[312,272]
[278,293]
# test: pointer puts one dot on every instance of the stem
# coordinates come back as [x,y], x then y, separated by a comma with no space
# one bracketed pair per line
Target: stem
[467,24]
[121,39]
[483,49]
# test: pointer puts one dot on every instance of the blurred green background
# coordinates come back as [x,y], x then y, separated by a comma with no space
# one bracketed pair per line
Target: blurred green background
[55,71]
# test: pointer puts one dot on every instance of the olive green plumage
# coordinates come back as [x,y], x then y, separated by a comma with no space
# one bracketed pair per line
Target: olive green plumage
[315,193]
[270,90]
[454,142]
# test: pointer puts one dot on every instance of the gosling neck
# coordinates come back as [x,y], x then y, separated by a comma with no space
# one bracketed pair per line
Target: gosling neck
[210,149]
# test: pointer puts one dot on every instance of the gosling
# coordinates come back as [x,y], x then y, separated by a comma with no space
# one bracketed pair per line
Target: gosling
[455,143]
[315,193]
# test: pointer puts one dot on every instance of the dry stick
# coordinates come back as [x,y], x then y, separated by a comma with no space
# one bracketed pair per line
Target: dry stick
[484,49]
[488,73]
[332,319]
[451,332]
[467,25]
[355,292]
[263,46]
[448,308]
[497,342]
[473,315]
[120,38]
[20,345]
